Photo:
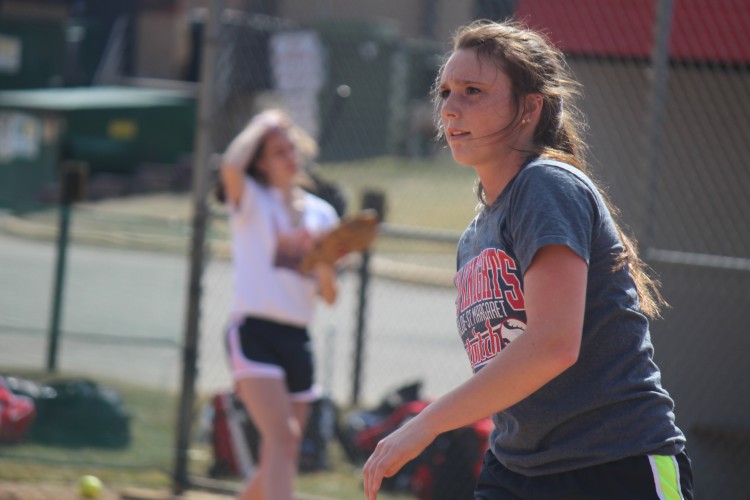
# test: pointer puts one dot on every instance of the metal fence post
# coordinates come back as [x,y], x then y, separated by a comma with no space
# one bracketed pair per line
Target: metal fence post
[203,150]
[72,175]
[375,201]
[660,75]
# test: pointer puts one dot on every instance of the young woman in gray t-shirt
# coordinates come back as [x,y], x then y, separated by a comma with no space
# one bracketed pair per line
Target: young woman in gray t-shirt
[552,299]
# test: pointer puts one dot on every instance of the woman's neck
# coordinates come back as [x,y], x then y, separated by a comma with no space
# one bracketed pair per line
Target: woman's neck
[287,192]
[495,177]
[294,202]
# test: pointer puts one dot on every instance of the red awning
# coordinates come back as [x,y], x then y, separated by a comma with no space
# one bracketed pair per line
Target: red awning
[702,30]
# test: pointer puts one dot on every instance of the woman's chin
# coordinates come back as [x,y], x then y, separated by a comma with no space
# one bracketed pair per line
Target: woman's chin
[462,158]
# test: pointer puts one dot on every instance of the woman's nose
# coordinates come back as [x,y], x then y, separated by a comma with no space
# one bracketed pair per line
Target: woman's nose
[448,108]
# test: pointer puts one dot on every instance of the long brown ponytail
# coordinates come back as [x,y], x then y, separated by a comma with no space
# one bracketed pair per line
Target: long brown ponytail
[536,66]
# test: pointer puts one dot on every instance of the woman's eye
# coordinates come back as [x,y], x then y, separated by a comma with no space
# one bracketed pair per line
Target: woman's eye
[444,93]
[472,90]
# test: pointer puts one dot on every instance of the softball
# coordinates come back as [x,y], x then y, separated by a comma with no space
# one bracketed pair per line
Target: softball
[89,486]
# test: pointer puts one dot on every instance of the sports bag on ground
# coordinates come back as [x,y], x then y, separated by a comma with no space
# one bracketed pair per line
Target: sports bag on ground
[236,442]
[17,413]
[80,412]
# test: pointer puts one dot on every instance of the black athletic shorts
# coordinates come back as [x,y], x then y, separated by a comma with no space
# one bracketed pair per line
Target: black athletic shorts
[266,349]
[648,477]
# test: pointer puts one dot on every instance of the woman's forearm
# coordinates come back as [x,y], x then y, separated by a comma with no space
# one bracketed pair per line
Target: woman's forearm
[327,286]
[515,373]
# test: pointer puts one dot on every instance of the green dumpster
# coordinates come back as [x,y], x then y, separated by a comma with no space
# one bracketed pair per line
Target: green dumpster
[29,149]
[116,130]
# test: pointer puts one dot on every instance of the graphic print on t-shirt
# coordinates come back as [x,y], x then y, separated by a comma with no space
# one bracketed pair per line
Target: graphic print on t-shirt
[490,310]
[290,242]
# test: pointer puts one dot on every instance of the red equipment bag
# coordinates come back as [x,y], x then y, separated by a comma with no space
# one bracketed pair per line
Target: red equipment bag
[230,442]
[17,413]
[449,468]
[446,470]
[236,440]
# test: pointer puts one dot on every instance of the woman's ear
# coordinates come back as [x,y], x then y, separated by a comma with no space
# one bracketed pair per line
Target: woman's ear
[532,108]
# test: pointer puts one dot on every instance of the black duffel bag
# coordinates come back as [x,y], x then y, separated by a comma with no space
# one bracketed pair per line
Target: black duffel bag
[80,412]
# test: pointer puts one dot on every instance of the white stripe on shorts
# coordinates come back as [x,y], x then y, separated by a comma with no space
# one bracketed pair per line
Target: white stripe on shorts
[242,367]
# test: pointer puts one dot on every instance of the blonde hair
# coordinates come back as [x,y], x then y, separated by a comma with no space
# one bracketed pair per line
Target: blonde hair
[535,66]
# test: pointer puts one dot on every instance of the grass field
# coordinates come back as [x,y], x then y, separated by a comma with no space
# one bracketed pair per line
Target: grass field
[147,462]
[435,193]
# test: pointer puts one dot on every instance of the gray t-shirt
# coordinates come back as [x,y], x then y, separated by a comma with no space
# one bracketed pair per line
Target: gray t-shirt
[610,404]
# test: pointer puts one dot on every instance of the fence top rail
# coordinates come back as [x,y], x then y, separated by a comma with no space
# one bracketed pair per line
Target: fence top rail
[419,233]
[698,259]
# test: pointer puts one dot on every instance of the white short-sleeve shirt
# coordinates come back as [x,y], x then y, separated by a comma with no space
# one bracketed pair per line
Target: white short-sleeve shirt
[264,287]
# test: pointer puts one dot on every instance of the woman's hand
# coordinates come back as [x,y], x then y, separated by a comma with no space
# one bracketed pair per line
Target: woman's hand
[392,453]
[291,247]
[298,241]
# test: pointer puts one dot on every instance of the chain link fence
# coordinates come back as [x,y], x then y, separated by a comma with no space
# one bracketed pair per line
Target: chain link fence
[666,91]
[666,97]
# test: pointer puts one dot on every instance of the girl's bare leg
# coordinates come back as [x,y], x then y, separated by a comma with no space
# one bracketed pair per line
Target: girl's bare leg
[267,401]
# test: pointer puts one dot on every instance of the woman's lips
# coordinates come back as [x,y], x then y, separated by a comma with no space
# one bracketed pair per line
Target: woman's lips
[454,134]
